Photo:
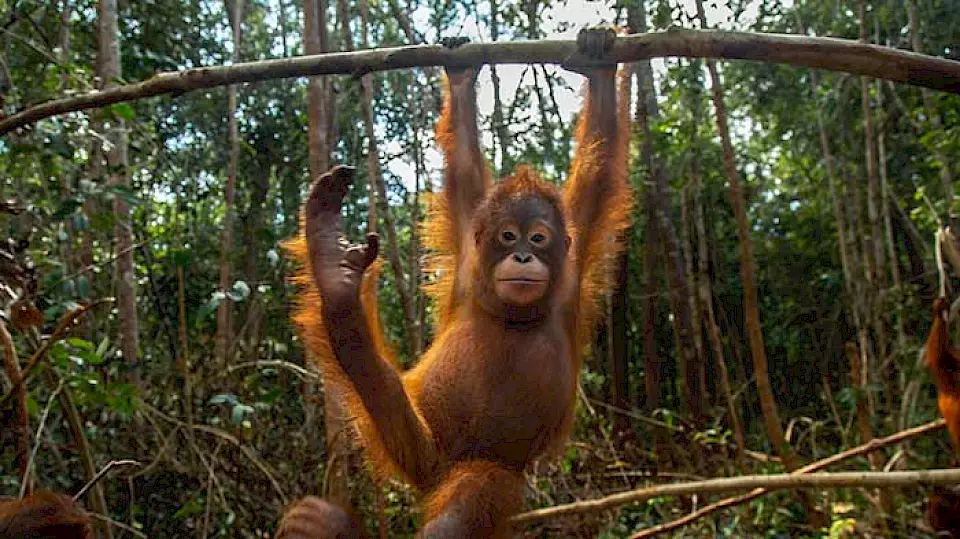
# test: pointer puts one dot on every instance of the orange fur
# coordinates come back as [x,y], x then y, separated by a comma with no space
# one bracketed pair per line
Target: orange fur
[603,240]
[479,492]
[489,396]
[44,515]
[314,518]
[944,364]
[943,505]
[308,319]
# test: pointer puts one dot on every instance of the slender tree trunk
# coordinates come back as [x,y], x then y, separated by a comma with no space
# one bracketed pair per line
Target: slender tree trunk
[617,341]
[768,402]
[653,370]
[690,278]
[319,100]
[65,187]
[499,122]
[224,330]
[860,381]
[422,180]
[253,224]
[704,285]
[889,368]
[21,418]
[319,117]
[183,360]
[839,207]
[929,103]
[108,70]
[647,110]
[654,366]
[378,195]
[873,245]
[748,274]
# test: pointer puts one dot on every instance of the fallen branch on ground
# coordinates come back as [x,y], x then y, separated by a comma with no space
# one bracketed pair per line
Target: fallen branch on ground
[815,52]
[759,485]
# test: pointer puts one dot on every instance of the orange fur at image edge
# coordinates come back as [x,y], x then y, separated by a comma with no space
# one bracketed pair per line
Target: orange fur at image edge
[943,504]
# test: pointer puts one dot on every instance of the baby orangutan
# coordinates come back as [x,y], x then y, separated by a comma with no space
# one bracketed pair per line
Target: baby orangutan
[523,270]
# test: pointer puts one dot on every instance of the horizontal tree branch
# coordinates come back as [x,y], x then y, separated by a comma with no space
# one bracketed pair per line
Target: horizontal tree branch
[949,476]
[758,483]
[816,52]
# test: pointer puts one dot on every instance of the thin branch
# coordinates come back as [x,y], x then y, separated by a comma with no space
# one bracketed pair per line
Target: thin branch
[816,52]
[872,445]
[776,482]
[751,482]
[21,426]
[223,435]
[67,323]
[275,364]
[103,471]
[36,441]
[121,525]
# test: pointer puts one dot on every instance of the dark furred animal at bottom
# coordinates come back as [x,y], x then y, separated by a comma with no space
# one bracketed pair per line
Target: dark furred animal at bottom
[523,269]
[44,515]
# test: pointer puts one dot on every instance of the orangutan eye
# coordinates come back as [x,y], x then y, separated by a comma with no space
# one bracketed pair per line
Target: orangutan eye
[540,236]
[508,236]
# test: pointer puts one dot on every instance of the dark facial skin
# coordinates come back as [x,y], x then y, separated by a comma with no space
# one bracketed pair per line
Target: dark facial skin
[522,250]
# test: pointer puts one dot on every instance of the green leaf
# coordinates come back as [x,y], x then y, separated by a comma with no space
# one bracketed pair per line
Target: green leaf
[239,411]
[240,291]
[125,193]
[81,344]
[123,110]
[91,357]
[223,398]
[102,347]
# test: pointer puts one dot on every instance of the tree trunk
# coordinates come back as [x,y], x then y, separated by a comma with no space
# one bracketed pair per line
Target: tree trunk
[705,287]
[839,207]
[183,356]
[499,122]
[319,117]
[647,110]
[768,402]
[889,367]
[654,237]
[378,196]
[873,242]
[65,185]
[224,330]
[108,71]
[693,299]
[21,418]
[859,380]
[618,342]
[929,103]
[319,94]
[259,187]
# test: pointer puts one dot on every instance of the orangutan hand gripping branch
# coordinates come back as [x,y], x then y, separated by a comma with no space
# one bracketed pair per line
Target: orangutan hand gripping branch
[523,267]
